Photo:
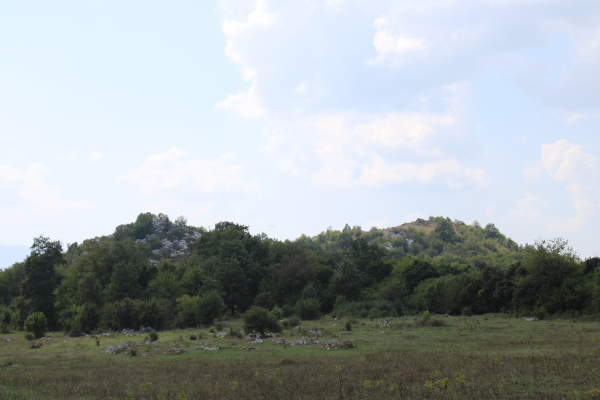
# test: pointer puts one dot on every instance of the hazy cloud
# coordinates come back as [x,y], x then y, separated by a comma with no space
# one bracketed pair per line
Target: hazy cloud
[171,173]
[27,195]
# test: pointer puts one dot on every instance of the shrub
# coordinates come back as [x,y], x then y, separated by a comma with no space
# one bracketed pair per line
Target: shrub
[366,308]
[153,336]
[347,345]
[192,337]
[209,307]
[466,312]
[36,323]
[219,326]
[235,333]
[293,321]
[348,326]
[308,309]
[259,319]
[278,312]
[29,337]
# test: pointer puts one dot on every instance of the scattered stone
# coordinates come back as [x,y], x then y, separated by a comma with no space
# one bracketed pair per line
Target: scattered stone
[312,332]
[204,346]
[114,349]
[530,319]
[8,339]
[174,351]
[221,334]
[256,341]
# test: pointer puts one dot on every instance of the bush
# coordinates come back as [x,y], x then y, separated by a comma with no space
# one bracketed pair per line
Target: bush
[348,326]
[193,337]
[259,319]
[347,345]
[29,337]
[234,333]
[293,321]
[466,312]
[153,336]
[36,323]
[209,307]
[219,326]
[308,309]
[366,308]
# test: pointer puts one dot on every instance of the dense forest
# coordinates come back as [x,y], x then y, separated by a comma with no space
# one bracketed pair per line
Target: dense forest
[162,273]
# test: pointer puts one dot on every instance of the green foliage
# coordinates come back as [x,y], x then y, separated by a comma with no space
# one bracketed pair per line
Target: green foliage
[308,309]
[37,324]
[375,308]
[143,226]
[210,307]
[258,319]
[39,282]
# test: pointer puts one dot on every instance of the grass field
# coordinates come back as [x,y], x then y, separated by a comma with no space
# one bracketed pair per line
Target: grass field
[483,357]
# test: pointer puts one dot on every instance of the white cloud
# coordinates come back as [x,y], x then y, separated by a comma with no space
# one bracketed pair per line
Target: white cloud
[335,5]
[569,163]
[349,149]
[28,195]
[169,172]
[574,117]
[528,208]
[387,44]
[95,156]
[564,161]
[532,171]
[245,104]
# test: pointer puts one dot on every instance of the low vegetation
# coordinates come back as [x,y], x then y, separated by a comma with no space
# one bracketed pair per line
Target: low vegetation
[489,356]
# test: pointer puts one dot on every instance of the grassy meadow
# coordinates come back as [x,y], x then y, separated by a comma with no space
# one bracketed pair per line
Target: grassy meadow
[484,357]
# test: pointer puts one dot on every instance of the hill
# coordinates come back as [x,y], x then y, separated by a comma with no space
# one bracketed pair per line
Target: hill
[165,273]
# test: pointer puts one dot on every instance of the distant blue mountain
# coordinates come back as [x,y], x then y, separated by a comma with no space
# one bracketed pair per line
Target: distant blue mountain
[10,254]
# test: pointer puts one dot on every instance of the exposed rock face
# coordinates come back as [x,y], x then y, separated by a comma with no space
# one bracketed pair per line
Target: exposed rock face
[174,240]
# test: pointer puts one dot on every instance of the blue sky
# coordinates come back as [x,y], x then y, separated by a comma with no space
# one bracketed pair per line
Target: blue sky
[293,116]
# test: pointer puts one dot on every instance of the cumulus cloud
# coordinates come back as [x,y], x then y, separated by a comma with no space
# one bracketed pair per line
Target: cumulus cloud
[404,118]
[27,195]
[390,45]
[565,162]
[245,104]
[349,149]
[528,208]
[170,172]
[574,117]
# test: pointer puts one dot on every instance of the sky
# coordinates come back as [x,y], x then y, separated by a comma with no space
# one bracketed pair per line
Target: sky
[295,116]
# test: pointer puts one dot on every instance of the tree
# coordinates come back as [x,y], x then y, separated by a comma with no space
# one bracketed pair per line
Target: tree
[491,232]
[39,283]
[180,221]
[36,323]
[209,307]
[144,225]
[444,230]
[368,258]
[258,319]
[546,267]
[347,280]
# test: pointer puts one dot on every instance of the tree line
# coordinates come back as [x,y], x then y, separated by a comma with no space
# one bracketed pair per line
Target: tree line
[438,265]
